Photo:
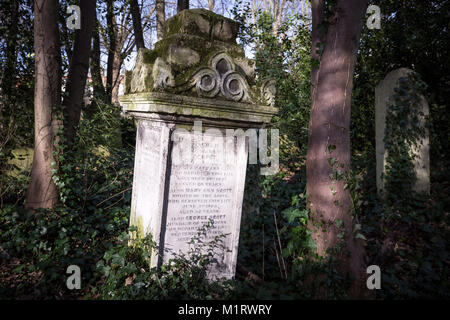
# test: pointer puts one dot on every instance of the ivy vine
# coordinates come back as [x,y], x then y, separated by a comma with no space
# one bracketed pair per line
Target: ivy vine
[404,131]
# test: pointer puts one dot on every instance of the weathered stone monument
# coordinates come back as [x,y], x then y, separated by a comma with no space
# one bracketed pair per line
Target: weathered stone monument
[188,95]
[21,161]
[384,93]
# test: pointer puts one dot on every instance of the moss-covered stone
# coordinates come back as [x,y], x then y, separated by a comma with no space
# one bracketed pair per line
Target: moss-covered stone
[185,61]
[21,161]
[136,221]
[196,73]
[175,107]
[202,47]
[203,23]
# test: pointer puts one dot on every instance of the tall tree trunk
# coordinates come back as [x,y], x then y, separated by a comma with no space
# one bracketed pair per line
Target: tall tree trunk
[318,39]
[111,30]
[117,65]
[328,158]
[65,37]
[160,18]
[9,79]
[211,5]
[42,192]
[182,5]
[78,68]
[96,72]
[278,8]
[137,23]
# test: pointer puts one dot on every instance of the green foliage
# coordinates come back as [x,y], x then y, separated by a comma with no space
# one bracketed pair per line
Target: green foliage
[414,34]
[409,243]
[128,274]
[16,79]
[284,55]
[404,131]
[299,243]
[96,170]
[259,240]
[404,209]
[95,193]
[405,234]
[275,235]
[38,247]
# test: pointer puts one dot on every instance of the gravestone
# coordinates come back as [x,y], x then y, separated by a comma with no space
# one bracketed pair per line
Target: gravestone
[20,162]
[383,100]
[187,94]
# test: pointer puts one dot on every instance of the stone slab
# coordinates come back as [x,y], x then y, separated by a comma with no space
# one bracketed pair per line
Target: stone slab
[383,99]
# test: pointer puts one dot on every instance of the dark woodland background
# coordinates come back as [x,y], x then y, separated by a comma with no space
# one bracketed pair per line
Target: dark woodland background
[85,221]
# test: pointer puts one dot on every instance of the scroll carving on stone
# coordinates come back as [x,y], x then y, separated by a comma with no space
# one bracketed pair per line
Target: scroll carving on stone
[268,91]
[207,82]
[221,78]
[199,57]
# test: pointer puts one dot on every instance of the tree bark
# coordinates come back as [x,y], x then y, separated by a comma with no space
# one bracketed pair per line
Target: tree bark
[182,5]
[137,23]
[278,8]
[111,30]
[78,68]
[160,18]
[318,39]
[119,45]
[117,65]
[211,5]
[8,80]
[65,38]
[328,157]
[96,72]
[42,192]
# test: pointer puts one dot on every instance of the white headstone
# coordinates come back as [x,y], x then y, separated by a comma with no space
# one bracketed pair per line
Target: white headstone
[187,171]
[383,100]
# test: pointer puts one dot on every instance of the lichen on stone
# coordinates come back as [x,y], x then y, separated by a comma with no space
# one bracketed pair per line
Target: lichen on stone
[199,57]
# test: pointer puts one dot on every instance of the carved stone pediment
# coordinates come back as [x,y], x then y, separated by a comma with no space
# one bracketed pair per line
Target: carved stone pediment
[199,57]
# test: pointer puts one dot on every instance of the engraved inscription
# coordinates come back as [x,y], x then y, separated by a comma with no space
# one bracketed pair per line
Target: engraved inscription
[200,190]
